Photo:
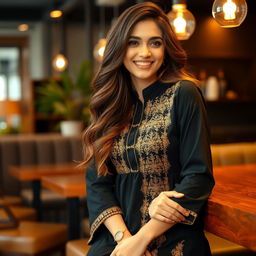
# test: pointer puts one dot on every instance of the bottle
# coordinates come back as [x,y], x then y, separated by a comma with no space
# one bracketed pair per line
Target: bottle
[212,88]
[202,78]
[222,83]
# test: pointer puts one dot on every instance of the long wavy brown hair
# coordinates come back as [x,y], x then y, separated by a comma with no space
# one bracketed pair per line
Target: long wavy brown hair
[112,101]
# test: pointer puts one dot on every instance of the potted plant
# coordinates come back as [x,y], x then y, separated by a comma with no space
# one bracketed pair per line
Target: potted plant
[67,99]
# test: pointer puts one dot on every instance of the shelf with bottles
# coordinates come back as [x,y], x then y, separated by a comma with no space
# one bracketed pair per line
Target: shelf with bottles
[215,88]
[225,78]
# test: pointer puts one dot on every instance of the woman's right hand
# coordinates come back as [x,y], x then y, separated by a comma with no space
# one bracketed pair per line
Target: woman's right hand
[164,209]
[134,245]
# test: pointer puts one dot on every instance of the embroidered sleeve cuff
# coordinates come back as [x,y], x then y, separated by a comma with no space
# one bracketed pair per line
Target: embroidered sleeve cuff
[101,218]
[190,219]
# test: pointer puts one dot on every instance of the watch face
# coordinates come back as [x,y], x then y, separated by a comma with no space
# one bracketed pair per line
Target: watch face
[119,235]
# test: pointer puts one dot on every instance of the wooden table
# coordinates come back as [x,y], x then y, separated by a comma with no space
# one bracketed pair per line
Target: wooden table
[34,173]
[231,211]
[72,187]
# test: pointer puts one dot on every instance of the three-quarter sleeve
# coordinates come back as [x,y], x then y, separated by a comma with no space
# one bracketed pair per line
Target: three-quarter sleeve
[196,179]
[101,200]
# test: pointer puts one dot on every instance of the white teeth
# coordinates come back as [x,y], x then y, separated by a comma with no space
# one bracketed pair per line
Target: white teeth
[142,63]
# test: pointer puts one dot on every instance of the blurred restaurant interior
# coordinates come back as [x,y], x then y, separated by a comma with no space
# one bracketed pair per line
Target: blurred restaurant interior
[47,61]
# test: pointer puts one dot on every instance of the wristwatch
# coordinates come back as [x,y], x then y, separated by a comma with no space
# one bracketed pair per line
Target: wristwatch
[119,236]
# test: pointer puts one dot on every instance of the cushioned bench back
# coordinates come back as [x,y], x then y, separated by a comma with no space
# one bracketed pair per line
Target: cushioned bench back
[34,149]
[233,153]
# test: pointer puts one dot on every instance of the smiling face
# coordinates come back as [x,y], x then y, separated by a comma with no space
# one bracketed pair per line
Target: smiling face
[145,53]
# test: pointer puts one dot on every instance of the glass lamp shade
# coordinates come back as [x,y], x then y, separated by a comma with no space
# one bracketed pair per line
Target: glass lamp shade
[229,13]
[60,62]
[182,21]
[99,49]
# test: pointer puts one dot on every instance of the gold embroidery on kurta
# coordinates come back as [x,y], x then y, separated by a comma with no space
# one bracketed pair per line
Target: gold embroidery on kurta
[178,250]
[101,218]
[150,148]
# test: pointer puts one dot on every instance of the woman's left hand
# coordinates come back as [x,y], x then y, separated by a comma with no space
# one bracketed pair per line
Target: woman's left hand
[133,245]
[164,209]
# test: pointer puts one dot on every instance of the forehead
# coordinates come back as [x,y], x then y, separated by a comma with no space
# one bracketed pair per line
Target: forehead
[146,28]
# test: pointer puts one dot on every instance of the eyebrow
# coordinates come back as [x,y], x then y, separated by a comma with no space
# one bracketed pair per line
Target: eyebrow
[151,38]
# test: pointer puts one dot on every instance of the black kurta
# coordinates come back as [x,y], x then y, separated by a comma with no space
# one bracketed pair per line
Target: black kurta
[166,147]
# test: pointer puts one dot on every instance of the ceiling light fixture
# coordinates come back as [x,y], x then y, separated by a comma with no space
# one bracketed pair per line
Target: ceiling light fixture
[229,13]
[99,48]
[182,20]
[55,14]
[23,27]
[60,62]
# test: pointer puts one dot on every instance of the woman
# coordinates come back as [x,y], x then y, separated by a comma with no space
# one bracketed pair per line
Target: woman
[147,146]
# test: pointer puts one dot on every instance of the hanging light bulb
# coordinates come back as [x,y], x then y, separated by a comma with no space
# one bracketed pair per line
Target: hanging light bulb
[56,14]
[181,20]
[60,62]
[99,49]
[229,13]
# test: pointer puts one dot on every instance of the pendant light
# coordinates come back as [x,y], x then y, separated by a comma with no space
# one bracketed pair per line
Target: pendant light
[181,20]
[229,13]
[99,48]
[60,62]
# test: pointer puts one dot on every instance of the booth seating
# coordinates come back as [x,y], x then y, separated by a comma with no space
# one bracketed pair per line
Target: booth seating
[36,149]
[233,153]
[33,239]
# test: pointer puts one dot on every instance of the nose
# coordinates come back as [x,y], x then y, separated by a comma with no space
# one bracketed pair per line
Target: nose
[145,51]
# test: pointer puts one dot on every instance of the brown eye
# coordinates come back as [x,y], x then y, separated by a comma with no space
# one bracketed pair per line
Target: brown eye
[133,43]
[156,43]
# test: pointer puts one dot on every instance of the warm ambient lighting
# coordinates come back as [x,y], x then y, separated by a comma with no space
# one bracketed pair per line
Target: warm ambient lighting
[56,14]
[99,49]
[60,62]
[229,13]
[182,20]
[23,27]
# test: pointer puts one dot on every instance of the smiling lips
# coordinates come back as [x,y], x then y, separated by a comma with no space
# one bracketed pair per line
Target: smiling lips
[143,64]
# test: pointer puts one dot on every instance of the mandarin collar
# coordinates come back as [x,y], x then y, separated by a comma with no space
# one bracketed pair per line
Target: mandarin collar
[151,91]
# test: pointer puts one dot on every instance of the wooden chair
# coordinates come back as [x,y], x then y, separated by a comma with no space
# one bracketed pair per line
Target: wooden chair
[77,247]
[12,204]
[28,238]
[11,200]
[86,227]
[20,213]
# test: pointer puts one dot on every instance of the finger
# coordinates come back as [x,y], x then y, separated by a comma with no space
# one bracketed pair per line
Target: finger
[178,207]
[173,194]
[171,214]
[166,211]
[161,218]
[176,215]
[169,210]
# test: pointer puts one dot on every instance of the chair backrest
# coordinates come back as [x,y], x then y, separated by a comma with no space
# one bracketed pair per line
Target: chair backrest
[7,219]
